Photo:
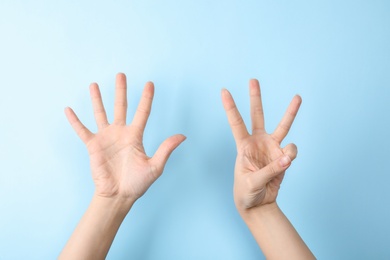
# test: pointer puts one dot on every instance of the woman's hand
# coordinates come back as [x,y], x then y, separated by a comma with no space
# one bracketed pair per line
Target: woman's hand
[261,162]
[120,167]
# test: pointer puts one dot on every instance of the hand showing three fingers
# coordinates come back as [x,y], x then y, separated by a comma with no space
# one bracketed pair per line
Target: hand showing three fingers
[120,168]
[261,162]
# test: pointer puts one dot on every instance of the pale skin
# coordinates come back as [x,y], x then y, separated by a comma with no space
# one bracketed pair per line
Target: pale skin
[121,170]
[122,173]
[260,167]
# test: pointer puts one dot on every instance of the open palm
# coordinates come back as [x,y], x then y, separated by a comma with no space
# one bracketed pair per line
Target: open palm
[118,161]
[261,161]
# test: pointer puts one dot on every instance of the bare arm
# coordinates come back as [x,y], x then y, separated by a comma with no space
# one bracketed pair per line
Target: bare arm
[96,231]
[260,167]
[121,170]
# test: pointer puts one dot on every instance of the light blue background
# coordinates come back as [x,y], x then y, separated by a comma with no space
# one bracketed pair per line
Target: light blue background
[335,54]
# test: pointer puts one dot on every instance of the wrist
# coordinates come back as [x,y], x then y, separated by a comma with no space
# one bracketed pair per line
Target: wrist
[259,212]
[116,205]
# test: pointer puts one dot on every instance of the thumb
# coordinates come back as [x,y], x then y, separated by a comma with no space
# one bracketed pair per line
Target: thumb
[163,152]
[266,174]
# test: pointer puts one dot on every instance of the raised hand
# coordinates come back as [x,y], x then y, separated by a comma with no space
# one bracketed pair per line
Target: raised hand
[120,167]
[121,170]
[261,161]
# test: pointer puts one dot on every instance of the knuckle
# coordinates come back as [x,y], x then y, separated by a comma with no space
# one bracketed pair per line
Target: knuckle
[258,111]
[272,170]
[285,127]
[120,103]
[236,120]
[143,110]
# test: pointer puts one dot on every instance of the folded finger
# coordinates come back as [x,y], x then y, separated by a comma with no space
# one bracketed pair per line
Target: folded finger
[291,150]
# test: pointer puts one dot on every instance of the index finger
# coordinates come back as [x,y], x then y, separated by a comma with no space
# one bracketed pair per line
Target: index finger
[234,117]
[144,107]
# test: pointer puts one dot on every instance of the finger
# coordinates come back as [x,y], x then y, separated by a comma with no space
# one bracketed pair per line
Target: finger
[257,114]
[235,120]
[120,106]
[275,168]
[162,154]
[144,107]
[98,108]
[285,124]
[84,134]
[291,150]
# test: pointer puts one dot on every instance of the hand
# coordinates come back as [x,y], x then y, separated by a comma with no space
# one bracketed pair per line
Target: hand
[120,168]
[261,162]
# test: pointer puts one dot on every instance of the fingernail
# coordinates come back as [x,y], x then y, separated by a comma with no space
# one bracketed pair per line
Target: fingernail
[285,160]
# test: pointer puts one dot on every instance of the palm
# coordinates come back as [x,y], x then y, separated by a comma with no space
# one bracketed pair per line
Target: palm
[256,151]
[119,164]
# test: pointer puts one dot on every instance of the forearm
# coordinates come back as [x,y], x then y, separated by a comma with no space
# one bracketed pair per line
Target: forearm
[94,234]
[274,233]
